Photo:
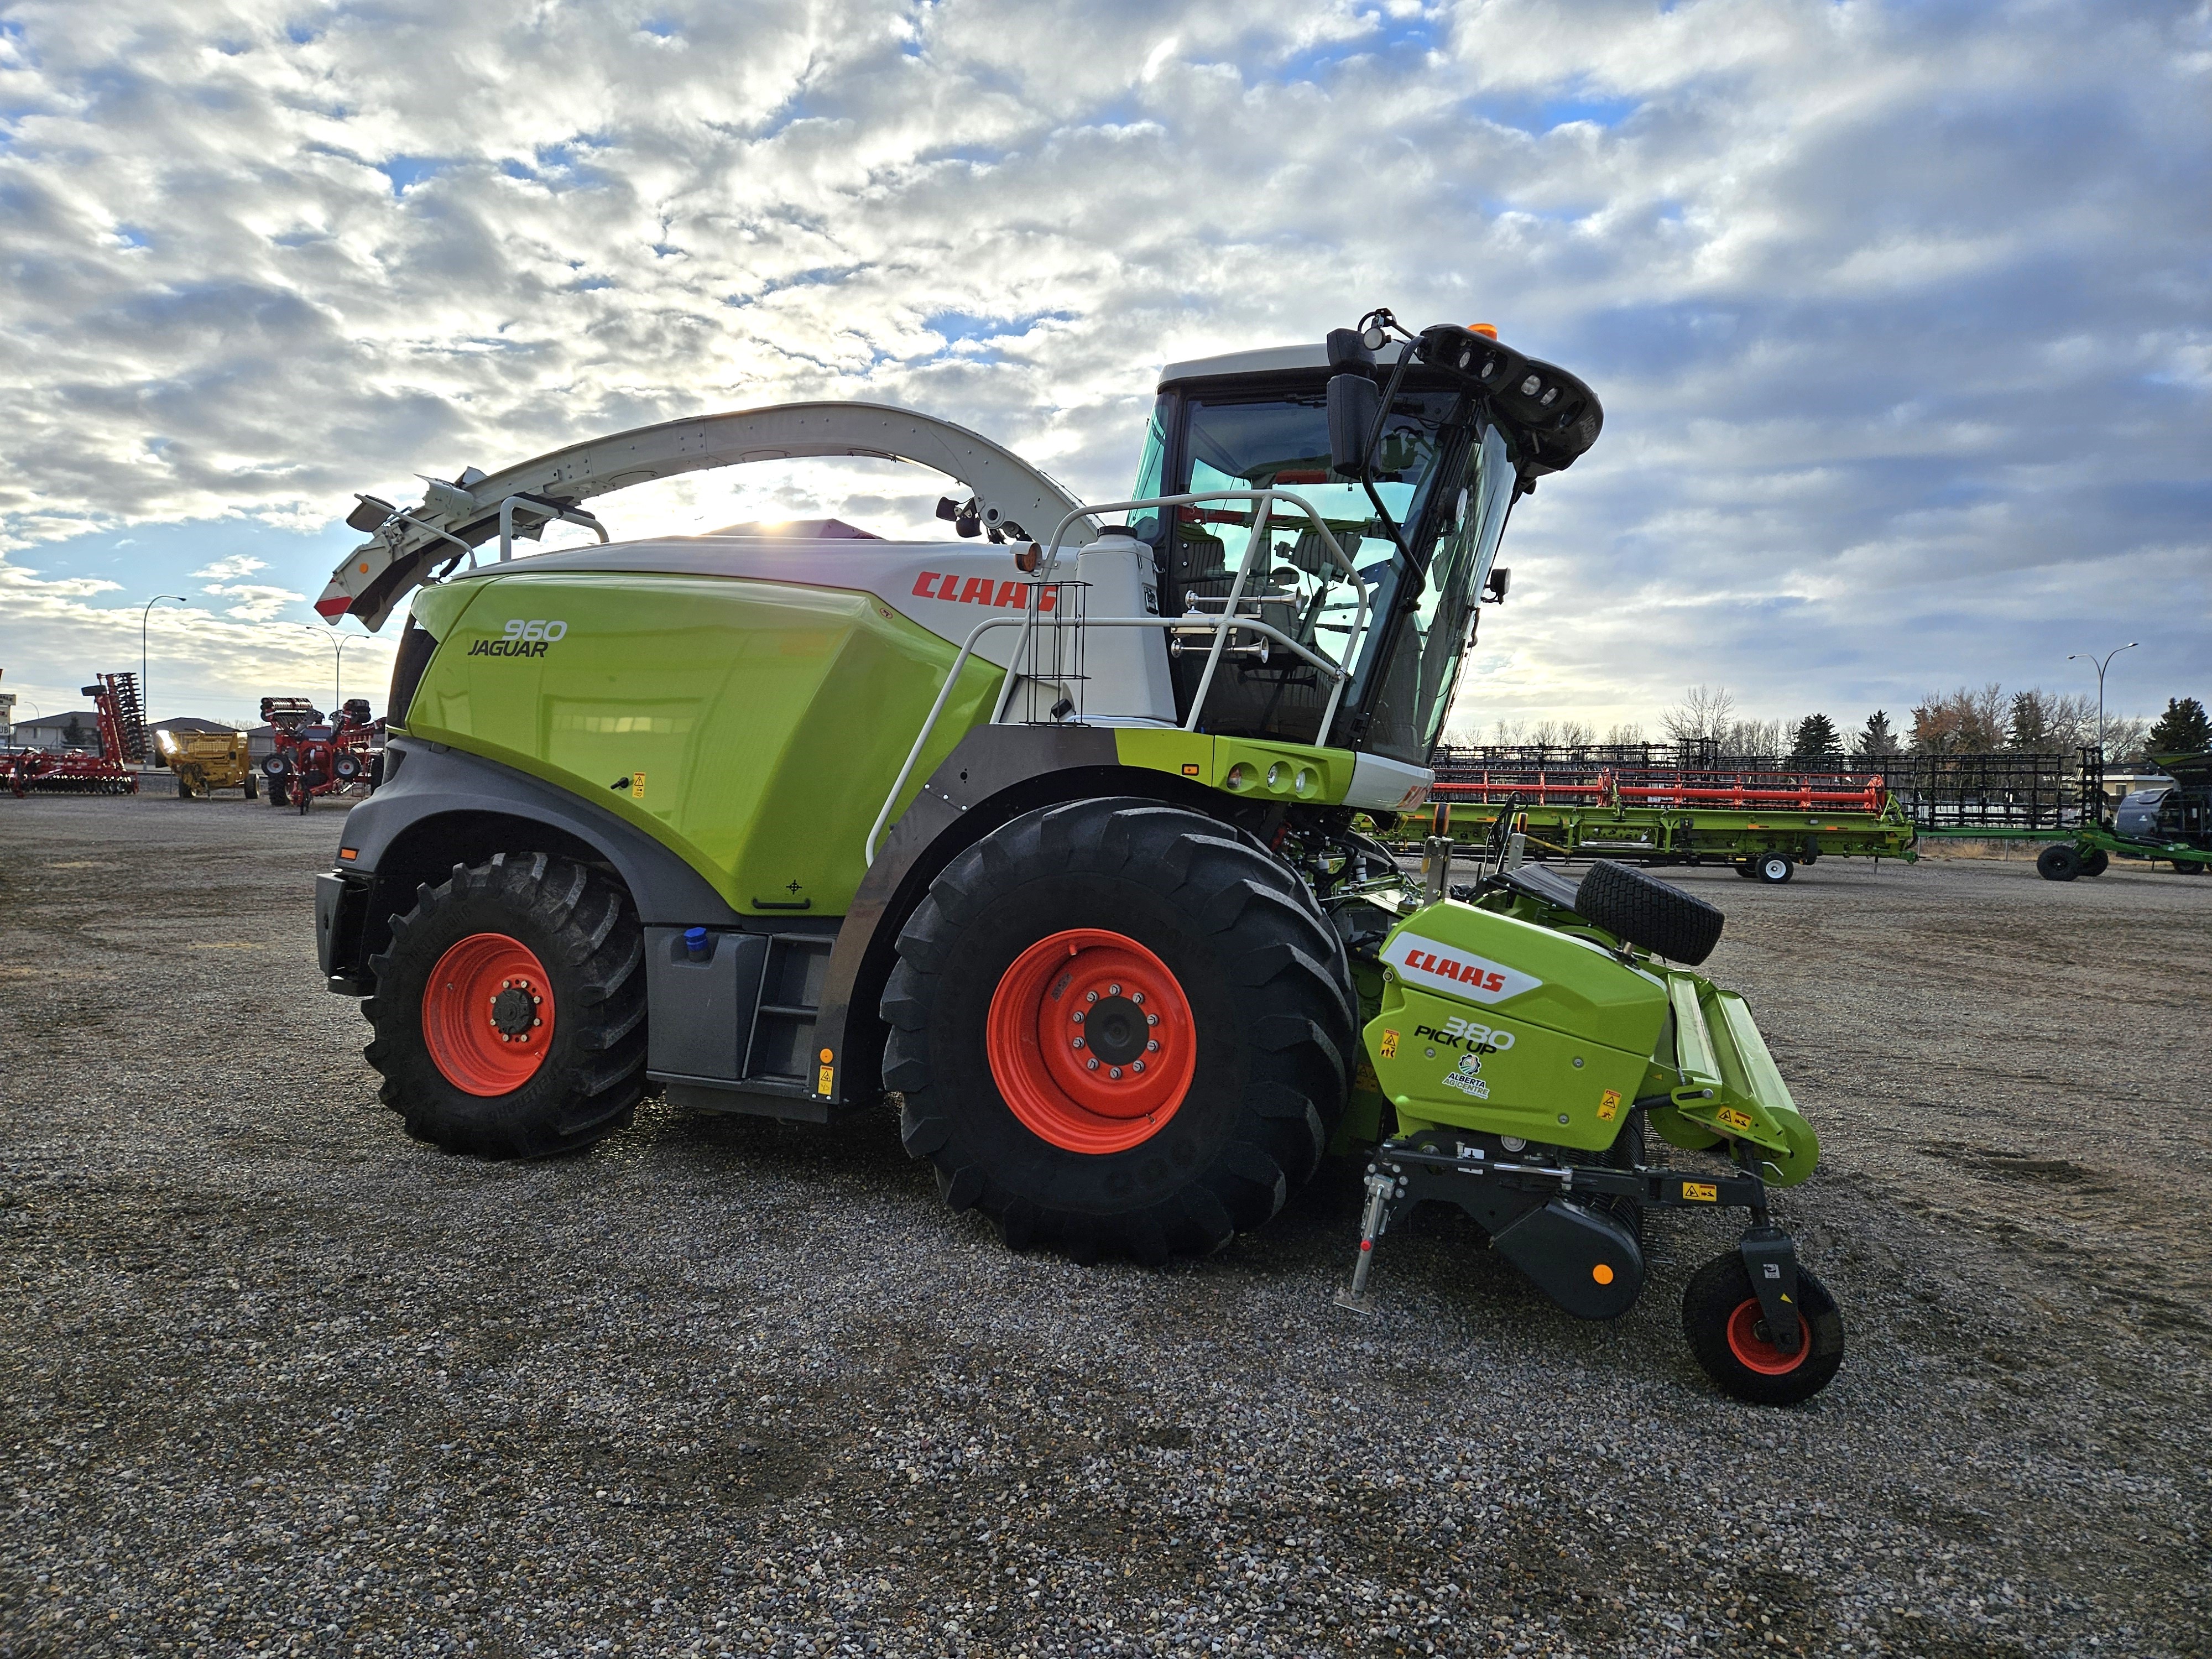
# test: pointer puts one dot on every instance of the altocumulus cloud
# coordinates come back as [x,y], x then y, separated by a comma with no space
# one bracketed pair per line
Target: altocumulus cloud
[1899,311]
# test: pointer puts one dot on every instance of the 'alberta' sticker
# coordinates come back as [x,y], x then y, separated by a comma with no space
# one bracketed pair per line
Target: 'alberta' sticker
[1440,967]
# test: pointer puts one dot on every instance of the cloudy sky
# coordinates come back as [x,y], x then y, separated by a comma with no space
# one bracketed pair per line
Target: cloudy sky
[1898,311]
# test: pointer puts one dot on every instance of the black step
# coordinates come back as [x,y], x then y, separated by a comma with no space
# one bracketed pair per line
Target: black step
[782,1047]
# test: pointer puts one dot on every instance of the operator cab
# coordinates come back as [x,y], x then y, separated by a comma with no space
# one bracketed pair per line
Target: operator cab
[1469,427]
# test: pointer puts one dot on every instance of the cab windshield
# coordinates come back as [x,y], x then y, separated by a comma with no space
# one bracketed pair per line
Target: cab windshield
[1437,484]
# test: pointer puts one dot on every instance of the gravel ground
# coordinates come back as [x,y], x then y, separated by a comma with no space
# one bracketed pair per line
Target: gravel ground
[274,1378]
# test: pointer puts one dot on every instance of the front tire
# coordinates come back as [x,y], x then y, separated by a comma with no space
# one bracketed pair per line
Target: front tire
[1158,926]
[1773,868]
[2097,863]
[510,1009]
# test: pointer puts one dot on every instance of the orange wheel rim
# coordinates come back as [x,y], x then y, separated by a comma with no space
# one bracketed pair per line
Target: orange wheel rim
[1756,1351]
[1090,1040]
[488,1014]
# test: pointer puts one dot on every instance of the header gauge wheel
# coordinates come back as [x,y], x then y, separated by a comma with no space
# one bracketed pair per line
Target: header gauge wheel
[1119,1028]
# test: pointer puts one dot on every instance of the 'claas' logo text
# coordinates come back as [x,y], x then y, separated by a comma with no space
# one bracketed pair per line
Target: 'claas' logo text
[1465,972]
[977,590]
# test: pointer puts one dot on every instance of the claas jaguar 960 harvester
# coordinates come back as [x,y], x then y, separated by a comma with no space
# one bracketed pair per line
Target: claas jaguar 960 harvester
[1055,831]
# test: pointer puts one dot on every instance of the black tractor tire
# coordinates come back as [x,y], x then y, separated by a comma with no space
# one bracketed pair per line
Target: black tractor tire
[1646,911]
[1266,1017]
[584,934]
[250,790]
[1773,868]
[2097,863]
[1745,868]
[183,787]
[275,765]
[2058,862]
[279,790]
[1715,1299]
[2185,867]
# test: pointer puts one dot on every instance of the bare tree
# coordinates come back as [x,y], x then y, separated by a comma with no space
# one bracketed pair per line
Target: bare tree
[1965,721]
[1705,711]
[1624,732]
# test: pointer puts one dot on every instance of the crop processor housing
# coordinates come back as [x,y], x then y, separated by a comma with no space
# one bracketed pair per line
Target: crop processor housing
[1058,832]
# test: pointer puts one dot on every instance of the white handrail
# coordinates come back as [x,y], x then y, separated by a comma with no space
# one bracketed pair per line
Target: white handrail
[1253,545]
[1252,625]
[1221,626]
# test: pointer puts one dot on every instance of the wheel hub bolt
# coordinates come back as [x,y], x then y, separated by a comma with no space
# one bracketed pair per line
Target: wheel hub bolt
[1090,996]
[1151,1047]
[1114,1071]
[1113,990]
[1078,1016]
[1139,998]
[1090,1064]
[1152,1019]
[1078,1042]
[1140,1066]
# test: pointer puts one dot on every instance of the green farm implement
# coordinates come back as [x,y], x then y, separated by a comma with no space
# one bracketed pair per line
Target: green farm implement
[1762,824]
[1054,832]
[2165,824]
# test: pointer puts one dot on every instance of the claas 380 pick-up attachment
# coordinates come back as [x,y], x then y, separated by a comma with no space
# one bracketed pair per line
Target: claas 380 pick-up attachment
[1054,832]
[1525,1036]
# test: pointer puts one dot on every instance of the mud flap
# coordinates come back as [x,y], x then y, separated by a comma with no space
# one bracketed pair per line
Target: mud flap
[1585,1262]
[1770,1257]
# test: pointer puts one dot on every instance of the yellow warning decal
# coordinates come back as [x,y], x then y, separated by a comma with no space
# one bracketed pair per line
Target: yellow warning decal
[1609,1105]
[822,1081]
[1390,1046]
[1701,1192]
[637,786]
[1733,1118]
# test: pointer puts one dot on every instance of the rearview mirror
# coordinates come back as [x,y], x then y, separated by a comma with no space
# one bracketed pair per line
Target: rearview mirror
[1494,588]
[1353,403]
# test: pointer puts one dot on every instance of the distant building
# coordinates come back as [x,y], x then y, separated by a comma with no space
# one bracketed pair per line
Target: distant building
[77,729]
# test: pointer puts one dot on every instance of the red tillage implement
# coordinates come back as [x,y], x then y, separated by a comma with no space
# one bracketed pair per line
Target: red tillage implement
[80,772]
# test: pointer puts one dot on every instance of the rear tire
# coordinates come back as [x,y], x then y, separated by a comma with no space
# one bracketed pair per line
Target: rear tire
[1720,1318]
[2097,863]
[248,786]
[575,927]
[2058,862]
[1252,990]
[1743,867]
[1646,911]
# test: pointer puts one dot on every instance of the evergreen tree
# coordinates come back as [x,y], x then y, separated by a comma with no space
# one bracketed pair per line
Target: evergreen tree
[1816,740]
[1877,739]
[2182,729]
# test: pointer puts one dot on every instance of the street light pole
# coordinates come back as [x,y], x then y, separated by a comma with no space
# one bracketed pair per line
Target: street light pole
[2102,665]
[324,634]
[145,702]
[337,680]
